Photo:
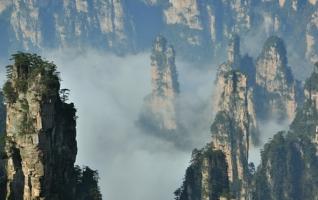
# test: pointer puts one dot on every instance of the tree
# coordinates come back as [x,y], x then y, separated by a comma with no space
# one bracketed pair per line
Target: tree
[64,94]
[87,184]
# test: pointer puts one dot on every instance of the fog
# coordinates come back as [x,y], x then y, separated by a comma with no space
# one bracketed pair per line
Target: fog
[108,93]
[267,130]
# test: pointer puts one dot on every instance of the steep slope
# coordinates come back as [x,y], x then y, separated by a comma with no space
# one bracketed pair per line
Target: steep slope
[276,89]
[227,154]
[40,140]
[159,112]
[224,87]
[198,29]
[69,23]
[40,135]
[289,163]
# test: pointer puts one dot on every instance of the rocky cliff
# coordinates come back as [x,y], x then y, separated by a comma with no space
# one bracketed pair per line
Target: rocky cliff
[40,140]
[159,112]
[276,89]
[228,75]
[68,23]
[206,178]
[40,143]
[231,131]
[288,168]
[197,28]
[311,89]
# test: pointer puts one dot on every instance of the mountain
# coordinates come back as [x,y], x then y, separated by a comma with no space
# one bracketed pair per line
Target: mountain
[198,29]
[159,113]
[221,169]
[276,89]
[288,169]
[40,141]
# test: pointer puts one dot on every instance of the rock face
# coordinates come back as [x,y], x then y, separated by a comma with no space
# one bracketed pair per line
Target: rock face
[276,88]
[311,89]
[160,106]
[288,169]
[40,143]
[206,178]
[226,82]
[231,132]
[199,28]
[68,23]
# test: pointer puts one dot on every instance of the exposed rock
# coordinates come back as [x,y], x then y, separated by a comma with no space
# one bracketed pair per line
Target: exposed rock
[231,130]
[275,91]
[227,154]
[288,169]
[226,80]
[206,178]
[311,89]
[69,23]
[160,106]
[186,12]
[289,165]
[40,143]
[311,35]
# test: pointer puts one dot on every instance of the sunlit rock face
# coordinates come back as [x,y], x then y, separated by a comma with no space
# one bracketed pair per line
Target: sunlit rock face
[40,147]
[289,164]
[275,90]
[223,89]
[231,130]
[39,24]
[160,106]
[198,29]
[206,178]
[227,154]
[311,38]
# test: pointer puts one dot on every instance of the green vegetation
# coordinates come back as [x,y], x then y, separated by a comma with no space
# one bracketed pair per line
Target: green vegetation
[292,164]
[27,69]
[311,84]
[218,180]
[87,184]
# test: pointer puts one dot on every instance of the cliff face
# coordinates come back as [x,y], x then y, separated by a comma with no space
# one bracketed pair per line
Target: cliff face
[311,89]
[68,23]
[199,28]
[226,82]
[276,88]
[160,106]
[288,169]
[231,132]
[206,178]
[40,143]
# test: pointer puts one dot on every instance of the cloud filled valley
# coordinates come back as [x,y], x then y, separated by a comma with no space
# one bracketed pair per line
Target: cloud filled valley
[108,92]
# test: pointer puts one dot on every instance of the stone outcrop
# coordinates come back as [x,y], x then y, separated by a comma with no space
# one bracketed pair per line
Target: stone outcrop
[40,146]
[231,132]
[276,89]
[69,23]
[311,86]
[206,178]
[160,111]
[289,164]
[199,28]
[224,86]
[311,38]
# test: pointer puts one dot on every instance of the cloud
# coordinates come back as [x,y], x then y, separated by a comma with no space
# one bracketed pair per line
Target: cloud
[267,130]
[108,92]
